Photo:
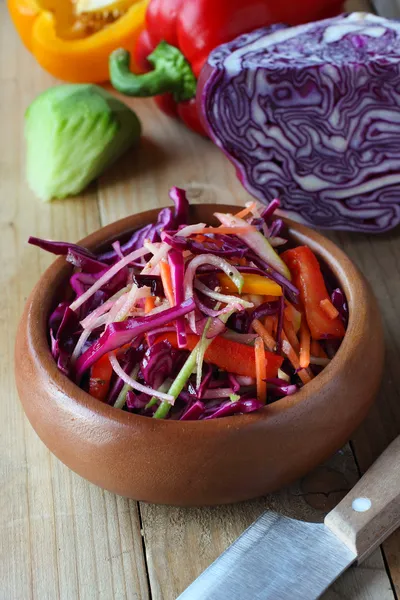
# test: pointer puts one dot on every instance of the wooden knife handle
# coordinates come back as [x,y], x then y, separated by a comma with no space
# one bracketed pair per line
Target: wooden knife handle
[371,510]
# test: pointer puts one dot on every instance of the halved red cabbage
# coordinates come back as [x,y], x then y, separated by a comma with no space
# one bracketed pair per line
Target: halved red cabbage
[311,114]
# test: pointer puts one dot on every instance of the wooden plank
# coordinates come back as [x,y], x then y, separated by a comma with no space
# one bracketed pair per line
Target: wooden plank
[379,259]
[60,537]
[170,532]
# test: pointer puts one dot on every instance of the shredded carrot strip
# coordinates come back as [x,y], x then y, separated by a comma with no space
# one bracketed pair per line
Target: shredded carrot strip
[287,349]
[226,230]
[317,349]
[291,334]
[305,340]
[268,324]
[290,311]
[261,370]
[329,309]
[268,298]
[242,262]
[200,238]
[216,242]
[165,272]
[274,320]
[245,211]
[263,333]
[149,304]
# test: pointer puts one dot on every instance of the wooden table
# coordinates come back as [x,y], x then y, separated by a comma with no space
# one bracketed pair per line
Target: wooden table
[61,537]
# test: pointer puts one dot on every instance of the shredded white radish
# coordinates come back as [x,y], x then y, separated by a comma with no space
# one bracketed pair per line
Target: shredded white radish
[254,207]
[95,314]
[160,308]
[85,336]
[218,393]
[222,297]
[283,375]
[190,229]
[138,386]
[286,347]
[128,304]
[256,210]
[215,261]
[161,253]
[257,242]
[134,295]
[152,247]
[256,299]
[117,247]
[243,380]
[112,271]
[277,241]
[116,308]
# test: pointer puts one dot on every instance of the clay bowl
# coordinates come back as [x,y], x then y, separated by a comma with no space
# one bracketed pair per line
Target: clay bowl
[206,462]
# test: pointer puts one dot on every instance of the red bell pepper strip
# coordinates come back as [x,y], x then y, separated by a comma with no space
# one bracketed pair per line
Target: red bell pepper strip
[194,28]
[229,355]
[307,277]
[100,377]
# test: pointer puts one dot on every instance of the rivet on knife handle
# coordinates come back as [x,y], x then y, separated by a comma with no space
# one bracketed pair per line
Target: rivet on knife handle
[371,510]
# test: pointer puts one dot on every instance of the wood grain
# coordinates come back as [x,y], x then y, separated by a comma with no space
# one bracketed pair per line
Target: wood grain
[61,537]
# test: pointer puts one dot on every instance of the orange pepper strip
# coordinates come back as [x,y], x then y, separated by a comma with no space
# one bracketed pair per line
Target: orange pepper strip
[149,304]
[261,370]
[287,349]
[82,60]
[229,355]
[268,340]
[252,284]
[165,272]
[329,309]
[305,340]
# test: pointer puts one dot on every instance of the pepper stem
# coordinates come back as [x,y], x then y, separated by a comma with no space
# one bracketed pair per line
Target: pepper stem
[172,73]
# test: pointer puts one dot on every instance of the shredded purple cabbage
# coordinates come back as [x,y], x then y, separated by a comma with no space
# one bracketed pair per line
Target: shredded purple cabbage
[136,338]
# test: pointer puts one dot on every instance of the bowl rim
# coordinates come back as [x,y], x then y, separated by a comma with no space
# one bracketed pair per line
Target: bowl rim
[39,302]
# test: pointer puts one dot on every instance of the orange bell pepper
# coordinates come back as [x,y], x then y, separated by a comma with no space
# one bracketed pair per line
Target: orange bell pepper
[253,284]
[61,45]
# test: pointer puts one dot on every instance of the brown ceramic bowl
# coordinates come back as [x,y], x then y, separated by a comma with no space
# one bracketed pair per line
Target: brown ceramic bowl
[204,462]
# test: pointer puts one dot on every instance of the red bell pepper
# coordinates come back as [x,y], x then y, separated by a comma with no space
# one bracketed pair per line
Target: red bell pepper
[229,355]
[180,34]
[307,277]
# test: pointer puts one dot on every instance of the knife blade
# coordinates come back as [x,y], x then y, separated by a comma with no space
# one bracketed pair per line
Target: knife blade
[278,558]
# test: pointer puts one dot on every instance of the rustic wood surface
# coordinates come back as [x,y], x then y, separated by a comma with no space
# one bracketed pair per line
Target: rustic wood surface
[61,537]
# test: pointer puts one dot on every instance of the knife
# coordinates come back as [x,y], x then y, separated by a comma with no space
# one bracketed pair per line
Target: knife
[278,558]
